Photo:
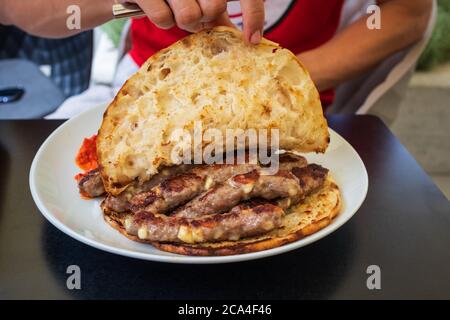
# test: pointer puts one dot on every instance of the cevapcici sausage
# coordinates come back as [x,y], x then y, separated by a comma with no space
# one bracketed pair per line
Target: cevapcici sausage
[180,189]
[245,220]
[120,203]
[91,184]
[292,187]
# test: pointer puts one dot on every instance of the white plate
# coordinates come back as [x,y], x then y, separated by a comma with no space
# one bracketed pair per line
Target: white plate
[54,190]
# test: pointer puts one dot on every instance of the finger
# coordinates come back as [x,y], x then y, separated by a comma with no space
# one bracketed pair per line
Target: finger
[187,14]
[212,9]
[158,12]
[253,15]
[222,20]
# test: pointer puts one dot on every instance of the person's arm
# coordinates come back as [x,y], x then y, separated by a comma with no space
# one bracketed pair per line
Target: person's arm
[194,15]
[356,49]
[48,18]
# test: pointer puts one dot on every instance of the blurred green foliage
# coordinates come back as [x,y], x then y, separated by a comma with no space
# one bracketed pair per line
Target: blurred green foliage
[438,49]
[114,29]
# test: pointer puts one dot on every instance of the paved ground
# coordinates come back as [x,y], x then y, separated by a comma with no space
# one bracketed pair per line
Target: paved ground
[423,124]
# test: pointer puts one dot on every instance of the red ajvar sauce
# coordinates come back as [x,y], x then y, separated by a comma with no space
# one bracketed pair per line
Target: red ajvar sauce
[86,158]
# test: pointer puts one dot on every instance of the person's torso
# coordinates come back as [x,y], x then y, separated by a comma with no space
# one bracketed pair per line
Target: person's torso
[298,25]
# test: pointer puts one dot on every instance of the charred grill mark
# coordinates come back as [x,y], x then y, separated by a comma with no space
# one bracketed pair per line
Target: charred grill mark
[310,177]
[204,196]
[179,182]
[144,199]
[314,170]
[283,174]
[290,158]
[246,178]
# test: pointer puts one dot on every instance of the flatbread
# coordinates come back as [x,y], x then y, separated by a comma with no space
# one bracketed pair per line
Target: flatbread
[215,79]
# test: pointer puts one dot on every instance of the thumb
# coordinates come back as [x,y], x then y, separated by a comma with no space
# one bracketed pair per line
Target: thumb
[222,20]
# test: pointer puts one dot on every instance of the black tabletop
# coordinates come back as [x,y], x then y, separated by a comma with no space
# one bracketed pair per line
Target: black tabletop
[403,228]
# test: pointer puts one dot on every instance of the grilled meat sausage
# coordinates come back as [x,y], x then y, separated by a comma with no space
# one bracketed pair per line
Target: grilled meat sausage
[288,161]
[91,184]
[179,189]
[245,220]
[292,187]
[310,178]
[120,203]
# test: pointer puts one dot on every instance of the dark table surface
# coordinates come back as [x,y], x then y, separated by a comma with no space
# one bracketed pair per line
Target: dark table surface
[403,227]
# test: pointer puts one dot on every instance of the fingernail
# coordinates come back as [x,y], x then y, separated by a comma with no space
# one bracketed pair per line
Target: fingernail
[256,37]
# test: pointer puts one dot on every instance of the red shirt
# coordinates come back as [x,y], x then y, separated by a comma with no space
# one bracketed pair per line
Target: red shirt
[298,25]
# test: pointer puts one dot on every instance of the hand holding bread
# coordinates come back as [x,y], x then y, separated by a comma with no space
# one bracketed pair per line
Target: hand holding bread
[195,15]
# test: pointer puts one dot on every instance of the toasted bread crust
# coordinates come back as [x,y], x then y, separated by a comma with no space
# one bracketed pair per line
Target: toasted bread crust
[211,77]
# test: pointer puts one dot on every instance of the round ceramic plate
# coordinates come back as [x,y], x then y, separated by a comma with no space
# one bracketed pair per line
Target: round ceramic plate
[56,194]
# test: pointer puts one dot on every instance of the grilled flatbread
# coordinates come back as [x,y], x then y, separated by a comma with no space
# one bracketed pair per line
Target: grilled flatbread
[211,77]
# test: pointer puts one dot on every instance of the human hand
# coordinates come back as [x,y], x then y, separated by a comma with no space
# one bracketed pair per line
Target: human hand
[195,15]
